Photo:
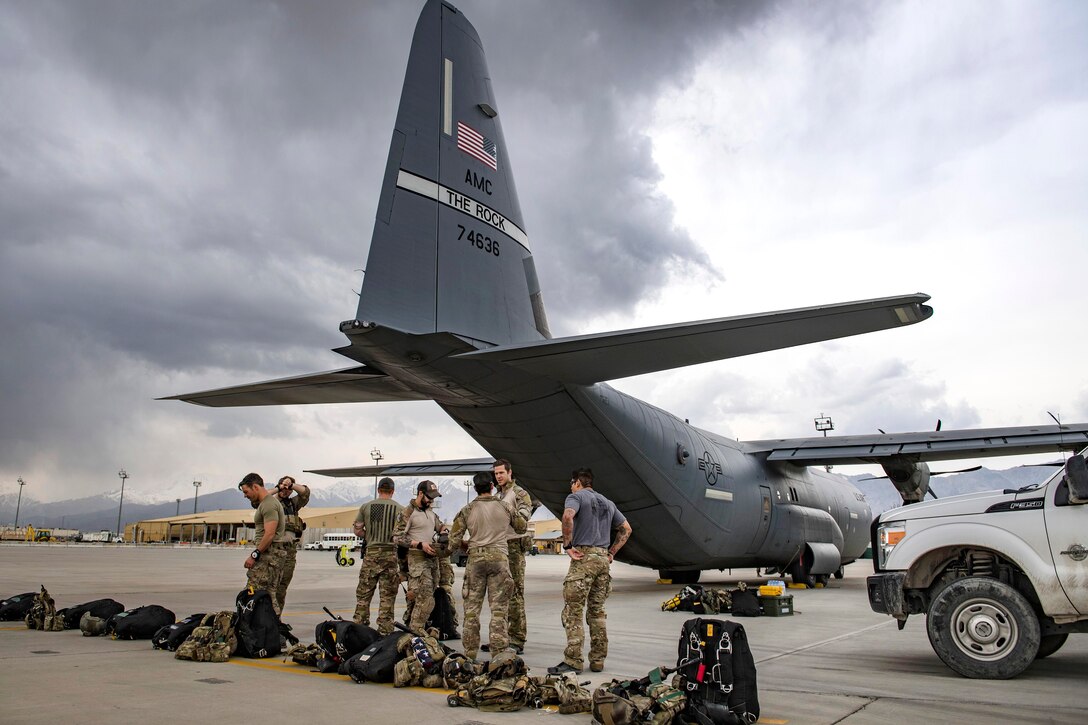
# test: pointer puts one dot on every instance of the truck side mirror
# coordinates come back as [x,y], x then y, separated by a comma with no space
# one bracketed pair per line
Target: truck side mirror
[1076,476]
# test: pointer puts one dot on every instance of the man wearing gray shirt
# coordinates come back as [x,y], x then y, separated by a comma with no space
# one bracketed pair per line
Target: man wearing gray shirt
[588,521]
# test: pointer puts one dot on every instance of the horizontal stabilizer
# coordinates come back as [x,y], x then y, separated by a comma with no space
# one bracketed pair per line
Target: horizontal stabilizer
[461,467]
[945,445]
[588,359]
[351,385]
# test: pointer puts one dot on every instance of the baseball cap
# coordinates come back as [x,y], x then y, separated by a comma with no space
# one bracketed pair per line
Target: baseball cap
[428,489]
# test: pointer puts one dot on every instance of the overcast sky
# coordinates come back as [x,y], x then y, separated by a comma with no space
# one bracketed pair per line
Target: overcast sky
[187,191]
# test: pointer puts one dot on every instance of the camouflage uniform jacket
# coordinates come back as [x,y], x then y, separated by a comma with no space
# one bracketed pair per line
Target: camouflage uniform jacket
[487,520]
[522,503]
[292,522]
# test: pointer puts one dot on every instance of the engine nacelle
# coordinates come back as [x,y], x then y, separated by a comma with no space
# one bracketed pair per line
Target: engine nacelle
[910,478]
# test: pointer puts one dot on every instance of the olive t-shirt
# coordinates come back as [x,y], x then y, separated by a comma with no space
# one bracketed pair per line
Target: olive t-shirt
[269,510]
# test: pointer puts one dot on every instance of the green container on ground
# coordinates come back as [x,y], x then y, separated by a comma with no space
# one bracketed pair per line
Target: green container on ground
[777,606]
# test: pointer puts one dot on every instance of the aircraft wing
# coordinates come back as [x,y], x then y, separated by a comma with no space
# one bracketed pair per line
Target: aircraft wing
[945,445]
[462,467]
[587,359]
[350,385]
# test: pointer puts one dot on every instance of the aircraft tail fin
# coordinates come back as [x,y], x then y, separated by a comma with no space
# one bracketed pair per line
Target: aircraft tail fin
[449,252]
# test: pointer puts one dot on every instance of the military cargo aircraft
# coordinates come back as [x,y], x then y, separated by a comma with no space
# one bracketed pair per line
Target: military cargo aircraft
[451,311]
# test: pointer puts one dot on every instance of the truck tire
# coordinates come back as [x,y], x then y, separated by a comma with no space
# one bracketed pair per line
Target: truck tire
[983,628]
[1050,644]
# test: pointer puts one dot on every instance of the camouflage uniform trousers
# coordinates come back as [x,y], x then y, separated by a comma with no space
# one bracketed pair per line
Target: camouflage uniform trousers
[265,573]
[290,554]
[586,587]
[379,570]
[487,571]
[516,611]
[445,581]
[422,580]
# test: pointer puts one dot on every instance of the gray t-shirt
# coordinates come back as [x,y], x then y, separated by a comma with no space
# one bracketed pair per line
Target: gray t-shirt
[594,518]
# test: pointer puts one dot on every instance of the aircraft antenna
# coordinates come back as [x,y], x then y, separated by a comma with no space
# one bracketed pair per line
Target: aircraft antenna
[1061,434]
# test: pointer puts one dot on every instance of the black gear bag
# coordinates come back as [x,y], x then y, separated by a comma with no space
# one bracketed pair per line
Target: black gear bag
[170,636]
[717,673]
[258,627]
[139,623]
[15,608]
[101,608]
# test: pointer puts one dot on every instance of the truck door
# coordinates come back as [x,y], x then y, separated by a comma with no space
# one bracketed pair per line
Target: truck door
[1067,530]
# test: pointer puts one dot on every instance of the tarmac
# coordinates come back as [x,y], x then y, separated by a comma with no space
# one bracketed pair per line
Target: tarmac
[833,661]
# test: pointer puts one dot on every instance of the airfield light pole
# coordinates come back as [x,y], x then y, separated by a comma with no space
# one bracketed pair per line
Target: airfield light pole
[823,423]
[377,456]
[121,501]
[196,493]
[19,502]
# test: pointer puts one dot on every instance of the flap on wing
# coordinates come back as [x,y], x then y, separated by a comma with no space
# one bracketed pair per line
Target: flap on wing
[351,385]
[463,467]
[945,445]
[588,359]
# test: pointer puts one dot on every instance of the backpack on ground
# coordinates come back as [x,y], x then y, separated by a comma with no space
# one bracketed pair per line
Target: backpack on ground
[684,600]
[139,623]
[564,691]
[717,673]
[171,636]
[339,639]
[420,663]
[92,626]
[648,699]
[43,613]
[213,641]
[16,608]
[443,616]
[505,686]
[258,626]
[745,602]
[378,661]
[102,608]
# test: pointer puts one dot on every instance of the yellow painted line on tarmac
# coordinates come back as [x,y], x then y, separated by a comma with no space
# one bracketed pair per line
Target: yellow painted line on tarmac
[289,667]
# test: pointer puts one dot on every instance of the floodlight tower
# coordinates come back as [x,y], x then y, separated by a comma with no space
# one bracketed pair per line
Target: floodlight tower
[120,502]
[377,456]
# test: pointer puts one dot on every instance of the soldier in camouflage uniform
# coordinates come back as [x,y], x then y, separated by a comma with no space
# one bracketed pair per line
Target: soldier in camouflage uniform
[265,563]
[588,521]
[416,528]
[518,543]
[380,570]
[486,520]
[293,527]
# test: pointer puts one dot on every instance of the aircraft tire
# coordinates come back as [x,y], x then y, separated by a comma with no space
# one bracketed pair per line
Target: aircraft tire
[680,577]
[983,628]
[800,575]
[1049,644]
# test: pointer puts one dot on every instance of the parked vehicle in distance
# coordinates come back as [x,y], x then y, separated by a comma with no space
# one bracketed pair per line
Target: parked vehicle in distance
[328,542]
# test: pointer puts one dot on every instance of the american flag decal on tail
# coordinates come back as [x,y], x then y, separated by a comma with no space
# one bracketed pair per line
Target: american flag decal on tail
[477,146]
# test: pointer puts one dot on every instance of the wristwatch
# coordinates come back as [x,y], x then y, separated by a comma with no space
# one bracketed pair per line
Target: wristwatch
[255,555]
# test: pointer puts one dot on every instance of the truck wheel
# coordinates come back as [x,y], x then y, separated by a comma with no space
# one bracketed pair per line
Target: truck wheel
[1050,644]
[983,628]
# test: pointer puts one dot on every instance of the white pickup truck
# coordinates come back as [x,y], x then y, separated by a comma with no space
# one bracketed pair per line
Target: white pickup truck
[1001,576]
